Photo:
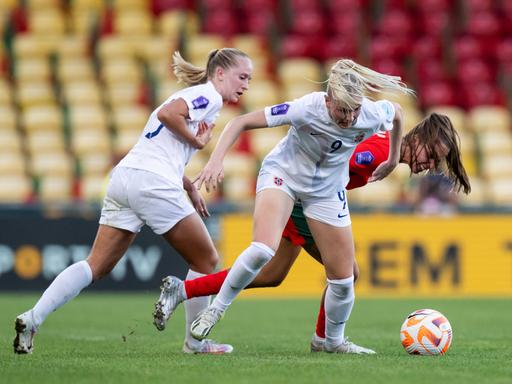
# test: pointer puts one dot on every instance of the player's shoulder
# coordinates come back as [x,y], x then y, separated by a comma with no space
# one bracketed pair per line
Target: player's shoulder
[380,110]
[200,96]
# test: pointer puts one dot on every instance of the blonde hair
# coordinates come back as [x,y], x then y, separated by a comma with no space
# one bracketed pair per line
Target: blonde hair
[192,75]
[349,82]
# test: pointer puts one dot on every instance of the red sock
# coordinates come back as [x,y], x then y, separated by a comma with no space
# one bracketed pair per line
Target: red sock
[320,322]
[206,285]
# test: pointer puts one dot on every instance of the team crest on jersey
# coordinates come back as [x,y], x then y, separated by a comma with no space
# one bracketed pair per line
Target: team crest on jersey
[280,109]
[278,181]
[365,157]
[359,138]
[200,103]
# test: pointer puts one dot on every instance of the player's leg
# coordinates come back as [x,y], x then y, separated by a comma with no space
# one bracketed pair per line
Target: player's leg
[190,238]
[336,246]
[271,212]
[109,246]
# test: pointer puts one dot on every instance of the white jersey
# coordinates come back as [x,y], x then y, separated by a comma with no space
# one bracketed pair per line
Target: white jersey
[313,158]
[161,151]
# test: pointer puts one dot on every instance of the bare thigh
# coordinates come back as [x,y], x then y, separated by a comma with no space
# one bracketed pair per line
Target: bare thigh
[193,242]
[271,212]
[336,245]
[108,248]
[276,270]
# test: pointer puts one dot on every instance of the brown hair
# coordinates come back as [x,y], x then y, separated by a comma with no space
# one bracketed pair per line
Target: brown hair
[430,131]
[191,75]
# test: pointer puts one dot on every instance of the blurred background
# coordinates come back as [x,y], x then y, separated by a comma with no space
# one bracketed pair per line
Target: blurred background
[79,78]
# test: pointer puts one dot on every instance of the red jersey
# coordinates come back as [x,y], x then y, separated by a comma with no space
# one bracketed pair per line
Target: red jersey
[367,156]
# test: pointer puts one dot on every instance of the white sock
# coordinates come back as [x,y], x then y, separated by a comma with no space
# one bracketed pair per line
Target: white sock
[65,287]
[242,273]
[193,307]
[339,300]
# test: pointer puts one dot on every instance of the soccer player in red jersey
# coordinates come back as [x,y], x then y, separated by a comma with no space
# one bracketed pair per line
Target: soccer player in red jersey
[432,145]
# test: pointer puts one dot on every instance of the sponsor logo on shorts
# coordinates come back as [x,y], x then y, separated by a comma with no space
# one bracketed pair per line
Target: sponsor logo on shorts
[280,109]
[200,103]
[365,157]
[278,181]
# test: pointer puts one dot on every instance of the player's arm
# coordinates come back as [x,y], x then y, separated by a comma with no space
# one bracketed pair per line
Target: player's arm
[213,171]
[174,116]
[395,141]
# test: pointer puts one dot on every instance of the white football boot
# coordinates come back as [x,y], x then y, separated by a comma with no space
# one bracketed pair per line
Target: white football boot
[25,330]
[347,347]
[204,322]
[317,343]
[207,346]
[170,296]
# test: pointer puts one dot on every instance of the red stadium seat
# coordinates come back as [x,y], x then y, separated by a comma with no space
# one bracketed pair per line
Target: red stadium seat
[339,47]
[308,23]
[298,46]
[213,5]
[395,23]
[304,5]
[477,94]
[434,24]
[427,48]
[344,5]
[159,6]
[349,23]
[432,70]
[389,67]
[474,70]
[476,6]
[437,93]
[466,48]
[384,47]
[221,22]
[429,6]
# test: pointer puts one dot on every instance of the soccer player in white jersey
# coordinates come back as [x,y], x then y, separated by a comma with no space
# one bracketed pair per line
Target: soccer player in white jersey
[147,187]
[325,128]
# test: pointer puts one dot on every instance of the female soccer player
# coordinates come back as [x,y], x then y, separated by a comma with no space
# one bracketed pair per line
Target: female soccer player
[146,187]
[428,146]
[310,164]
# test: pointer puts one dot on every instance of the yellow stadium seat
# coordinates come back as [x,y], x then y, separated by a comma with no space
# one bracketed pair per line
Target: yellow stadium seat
[495,143]
[83,93]
[93,187]
[55,189]
[155,49]
[32,70]
[51,163]
[292,91]
[412,116]
[125,140]
[496,166]
[130,118]
[133,22]
[121,94]
[5,94]
[196,164]
[489,118]
[88,118]
[42,118]
[46,22]
[121,71]
[239,189]
[95,163]
[167,88]
[260,95]
[28,46]
[73,47]
[300,70]
[84,22]
[15,188]
[198,47]
[140,5]
[405,101]
[226,114]
[171,23]
[116,47]
[42,4]
[264,140]
[240,164]
[12,162]
[31,94]
[90,141]
[376,194]
[500,191]
[8,118]
[44,141]
[72,70]
[9,140]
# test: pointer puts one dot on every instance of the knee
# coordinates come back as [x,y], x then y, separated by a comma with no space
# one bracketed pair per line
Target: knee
[99,271]
[207,263]
[275,281]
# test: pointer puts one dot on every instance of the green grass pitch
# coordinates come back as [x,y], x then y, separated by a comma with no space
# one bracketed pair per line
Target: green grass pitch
[109,338]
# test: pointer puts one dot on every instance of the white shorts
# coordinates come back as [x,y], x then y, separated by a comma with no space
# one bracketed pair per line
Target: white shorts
[136,197]
[333,211]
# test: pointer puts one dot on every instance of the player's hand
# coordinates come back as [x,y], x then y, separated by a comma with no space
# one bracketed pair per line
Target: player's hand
[211,175]
[204,134]
[382,170]
[198,202]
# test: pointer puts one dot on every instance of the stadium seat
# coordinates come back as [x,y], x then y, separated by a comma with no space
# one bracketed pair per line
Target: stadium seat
[72,47]
[489,118]
[124,140]
[436,93]
[55,189]
[75,70]
[42,118]
[475,94]
[32,70]
[84,93]
[239,189]
[264,140]
[31,94]
[240,164]
[56,163]
[198,47]
[479,195]
[474,71]
[114,47]
[301,70]
[93,187]
[121,72]
[121,94]
[5,94]
[15,188]
[132,22]
[44,141]
[130,117]
[375,194]
[496,166]
[222,22]
[9,140]
[8,117]
[260,95]
[500,191]
[46,22]
[493,142]
[90,141]
[95,163]
[88,119]
[171,23]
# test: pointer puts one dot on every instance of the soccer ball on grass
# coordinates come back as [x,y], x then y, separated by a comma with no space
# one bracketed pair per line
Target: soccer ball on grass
[426,332]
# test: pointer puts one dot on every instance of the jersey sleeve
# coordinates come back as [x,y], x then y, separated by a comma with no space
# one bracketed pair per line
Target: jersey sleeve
[200,102]
[386,111]
[289,113]
[367,156]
